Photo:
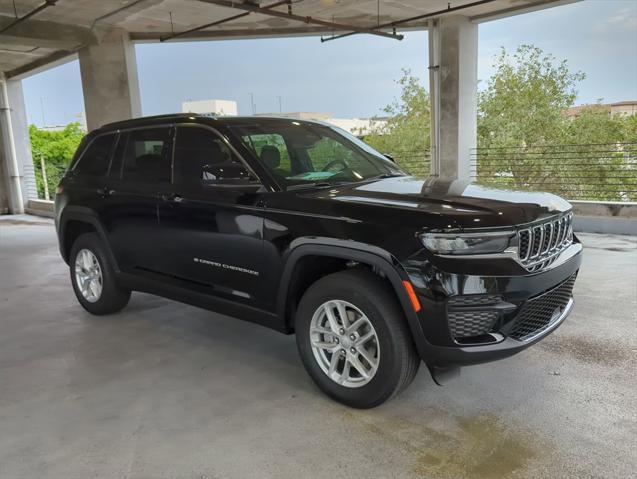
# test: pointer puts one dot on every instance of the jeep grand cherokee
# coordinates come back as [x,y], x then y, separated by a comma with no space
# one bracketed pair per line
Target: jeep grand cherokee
[303,228]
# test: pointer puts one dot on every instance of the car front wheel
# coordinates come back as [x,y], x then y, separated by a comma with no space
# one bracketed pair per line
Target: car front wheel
[353,339]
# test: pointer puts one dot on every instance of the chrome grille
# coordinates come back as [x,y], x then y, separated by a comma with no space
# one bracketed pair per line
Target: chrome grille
[539,245]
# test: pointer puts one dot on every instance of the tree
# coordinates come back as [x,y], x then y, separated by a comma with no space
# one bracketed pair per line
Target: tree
[603,145]
[405,135]
[57,149]
[526,140]
[524,101]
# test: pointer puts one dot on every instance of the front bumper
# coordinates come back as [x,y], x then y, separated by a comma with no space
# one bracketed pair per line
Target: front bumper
[440,343]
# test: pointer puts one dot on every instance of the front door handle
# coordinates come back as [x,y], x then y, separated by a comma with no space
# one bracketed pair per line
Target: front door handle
[173,198]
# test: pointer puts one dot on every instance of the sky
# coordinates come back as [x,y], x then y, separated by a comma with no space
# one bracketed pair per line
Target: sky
[353,77]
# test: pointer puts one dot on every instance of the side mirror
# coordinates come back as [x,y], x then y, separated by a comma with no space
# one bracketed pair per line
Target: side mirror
[389,157]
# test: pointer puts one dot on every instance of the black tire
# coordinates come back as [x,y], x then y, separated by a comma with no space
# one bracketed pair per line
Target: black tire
[398,360]
[112,298]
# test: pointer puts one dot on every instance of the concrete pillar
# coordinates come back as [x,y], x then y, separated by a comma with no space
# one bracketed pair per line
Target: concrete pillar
[4,181]
[17,174]
[109,79]
[453,57]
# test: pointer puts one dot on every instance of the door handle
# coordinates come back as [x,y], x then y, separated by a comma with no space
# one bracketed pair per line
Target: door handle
[105,191]
[173,198]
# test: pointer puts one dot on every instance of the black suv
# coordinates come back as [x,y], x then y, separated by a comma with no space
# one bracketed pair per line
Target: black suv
[303,228]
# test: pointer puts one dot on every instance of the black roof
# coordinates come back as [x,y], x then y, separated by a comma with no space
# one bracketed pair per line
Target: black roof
[194,117]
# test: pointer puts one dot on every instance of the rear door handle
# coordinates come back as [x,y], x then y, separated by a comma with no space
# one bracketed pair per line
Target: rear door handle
[105,191]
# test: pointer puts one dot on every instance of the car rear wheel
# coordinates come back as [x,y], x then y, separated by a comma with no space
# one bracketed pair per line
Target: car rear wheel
[93,278]
[353,339]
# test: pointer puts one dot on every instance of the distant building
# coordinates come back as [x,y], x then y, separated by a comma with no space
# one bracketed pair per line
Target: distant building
[354,126]
[81,119]
[299,115]
[210,107]
[359,126]
[626,108]
[623,108]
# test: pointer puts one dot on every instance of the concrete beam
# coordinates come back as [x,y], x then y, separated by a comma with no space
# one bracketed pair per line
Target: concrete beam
[41,64]
[453,68]
[109,79]
[45,34]
[520,9]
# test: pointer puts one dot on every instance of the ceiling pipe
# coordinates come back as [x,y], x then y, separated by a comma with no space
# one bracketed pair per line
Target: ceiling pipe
[425,16]
[35,11]
[299,18]
[218,22]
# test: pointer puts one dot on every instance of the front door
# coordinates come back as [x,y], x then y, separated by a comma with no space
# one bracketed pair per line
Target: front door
[211,226]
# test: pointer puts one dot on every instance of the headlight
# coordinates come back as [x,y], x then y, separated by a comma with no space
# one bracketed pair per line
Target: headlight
[469,243]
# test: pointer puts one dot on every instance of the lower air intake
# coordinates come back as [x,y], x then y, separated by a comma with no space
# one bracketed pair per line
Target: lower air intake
[538,313]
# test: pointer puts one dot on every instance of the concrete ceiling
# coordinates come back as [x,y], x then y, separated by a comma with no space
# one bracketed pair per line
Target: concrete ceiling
[60,30]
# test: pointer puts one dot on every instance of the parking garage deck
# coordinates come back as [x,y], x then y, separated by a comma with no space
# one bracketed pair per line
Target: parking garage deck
[168,390]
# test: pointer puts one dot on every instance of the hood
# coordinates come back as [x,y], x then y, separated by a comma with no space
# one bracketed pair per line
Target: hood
[467,205]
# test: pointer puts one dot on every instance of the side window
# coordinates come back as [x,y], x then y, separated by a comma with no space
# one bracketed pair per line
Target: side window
[202,158]
[146,155]
[94,161]
[272,151]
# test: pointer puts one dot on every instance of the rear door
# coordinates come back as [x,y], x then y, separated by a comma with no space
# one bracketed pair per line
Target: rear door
[211,221]
[88,178]
[140,173]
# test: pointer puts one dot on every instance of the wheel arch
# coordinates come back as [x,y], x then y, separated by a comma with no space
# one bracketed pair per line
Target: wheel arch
[347,251]
[77,220]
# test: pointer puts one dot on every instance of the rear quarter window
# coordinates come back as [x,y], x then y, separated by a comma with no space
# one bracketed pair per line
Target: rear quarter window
[95,159]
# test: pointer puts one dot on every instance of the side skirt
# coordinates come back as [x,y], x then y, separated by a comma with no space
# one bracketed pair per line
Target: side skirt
[202,300]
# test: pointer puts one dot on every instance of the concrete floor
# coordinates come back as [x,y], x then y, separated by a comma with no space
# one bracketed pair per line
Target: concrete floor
[164,390]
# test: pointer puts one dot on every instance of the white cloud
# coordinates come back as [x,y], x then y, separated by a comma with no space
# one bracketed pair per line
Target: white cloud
[623,19]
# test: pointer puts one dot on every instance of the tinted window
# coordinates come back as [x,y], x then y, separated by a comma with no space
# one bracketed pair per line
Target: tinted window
[146,155]
[327,154]
[299,153]
[202,158]
[94,161]
[272,150]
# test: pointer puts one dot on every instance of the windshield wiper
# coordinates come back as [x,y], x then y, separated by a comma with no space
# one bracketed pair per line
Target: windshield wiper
[303,186]
[388,175]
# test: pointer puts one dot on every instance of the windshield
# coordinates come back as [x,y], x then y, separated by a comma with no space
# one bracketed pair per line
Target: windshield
[299,153]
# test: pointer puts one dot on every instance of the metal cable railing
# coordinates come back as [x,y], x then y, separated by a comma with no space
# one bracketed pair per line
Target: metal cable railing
[415,162]
[605,172]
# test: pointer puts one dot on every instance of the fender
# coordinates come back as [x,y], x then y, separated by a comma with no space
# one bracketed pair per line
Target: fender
[85,215]
[360,252]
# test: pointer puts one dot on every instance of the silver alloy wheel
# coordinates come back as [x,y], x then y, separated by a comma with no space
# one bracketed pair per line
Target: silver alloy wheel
[88,275]
[344,343]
